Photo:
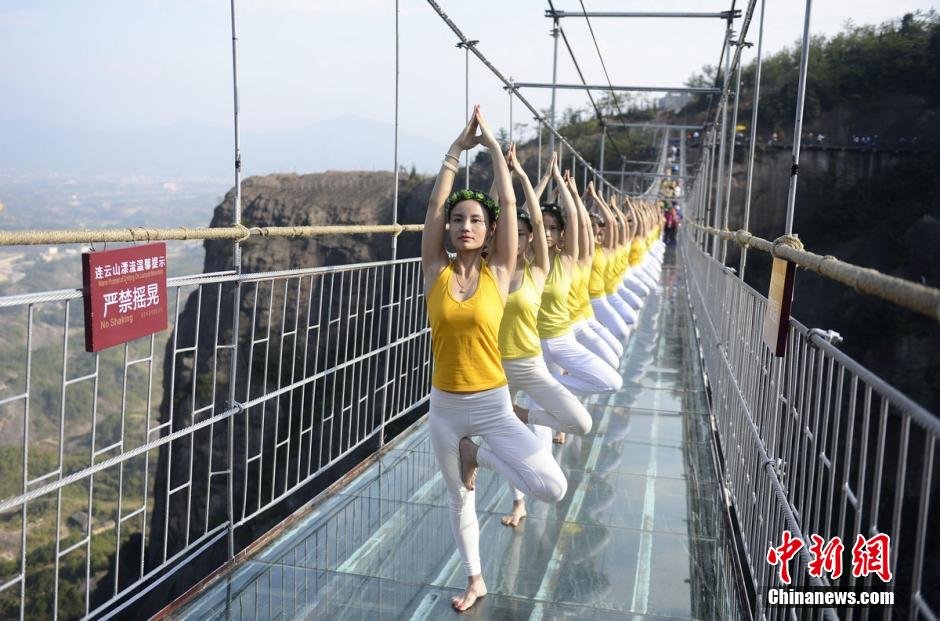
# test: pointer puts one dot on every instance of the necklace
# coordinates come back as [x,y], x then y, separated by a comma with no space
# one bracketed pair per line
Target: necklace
[462,286]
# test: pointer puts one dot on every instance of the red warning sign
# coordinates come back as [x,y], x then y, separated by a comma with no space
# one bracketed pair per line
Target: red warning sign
[125,294]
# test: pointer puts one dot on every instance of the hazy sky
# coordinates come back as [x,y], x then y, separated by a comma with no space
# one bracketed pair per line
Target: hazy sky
[147,63]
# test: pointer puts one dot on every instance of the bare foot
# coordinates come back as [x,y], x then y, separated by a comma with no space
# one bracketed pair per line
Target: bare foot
[475,590]
[468,465]
[521,412]
[517,514]
[559,437]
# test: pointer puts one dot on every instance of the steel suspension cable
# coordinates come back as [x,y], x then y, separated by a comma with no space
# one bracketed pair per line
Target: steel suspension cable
[601,57]
[734,130]
[499,75]
[755,98]
[394,248]
[236,302]
[597,111]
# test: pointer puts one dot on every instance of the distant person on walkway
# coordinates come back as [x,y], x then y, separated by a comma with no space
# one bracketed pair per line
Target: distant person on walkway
[466,297]
[671,226]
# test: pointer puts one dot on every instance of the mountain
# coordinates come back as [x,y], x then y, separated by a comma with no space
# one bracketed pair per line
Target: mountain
[190,149]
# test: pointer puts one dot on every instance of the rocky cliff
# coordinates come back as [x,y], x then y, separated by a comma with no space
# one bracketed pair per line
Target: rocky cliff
[877,209]
[190,488]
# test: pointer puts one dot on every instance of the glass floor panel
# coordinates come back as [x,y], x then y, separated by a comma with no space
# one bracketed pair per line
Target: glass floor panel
[641,533]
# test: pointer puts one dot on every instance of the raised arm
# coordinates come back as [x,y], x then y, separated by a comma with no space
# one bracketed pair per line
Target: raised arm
[585,231]
[502,260]
[539,245]
[433,255]
[621,222]
[572,237]
[629,209]
[610,239]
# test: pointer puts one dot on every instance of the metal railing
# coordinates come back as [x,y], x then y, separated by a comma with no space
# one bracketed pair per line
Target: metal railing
[122,467]
[813,443]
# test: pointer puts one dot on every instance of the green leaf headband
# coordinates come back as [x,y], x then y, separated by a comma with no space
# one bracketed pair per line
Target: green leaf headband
[474,195]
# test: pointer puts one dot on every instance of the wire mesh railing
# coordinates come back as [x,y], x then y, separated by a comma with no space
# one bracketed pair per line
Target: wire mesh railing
[120,468]
[815,444]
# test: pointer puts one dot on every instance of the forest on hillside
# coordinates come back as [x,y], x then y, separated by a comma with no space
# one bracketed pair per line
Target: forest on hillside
[876,81]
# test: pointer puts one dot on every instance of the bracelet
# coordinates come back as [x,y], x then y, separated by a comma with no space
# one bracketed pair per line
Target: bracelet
[449,166]
[453,157]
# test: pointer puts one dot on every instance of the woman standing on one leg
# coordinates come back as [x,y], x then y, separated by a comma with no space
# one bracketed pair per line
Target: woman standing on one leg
[465,298]
[587,330]
[585,372]
[629,296]
[519,345]
[617,267]
[605,231]
[592,329]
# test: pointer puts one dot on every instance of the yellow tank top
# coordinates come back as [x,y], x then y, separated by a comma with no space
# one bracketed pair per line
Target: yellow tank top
[574,300]
[598,270]
[554,318]
[636,251]
[586,311]
[612,275]
[464,335]
[518,334]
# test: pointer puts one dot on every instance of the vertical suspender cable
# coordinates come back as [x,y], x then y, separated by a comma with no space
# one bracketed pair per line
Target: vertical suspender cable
[623,169]
[538,124]
[551,110]
[511,89]
[393,272]
[722,129]
[798,123]
[236,299]
[734,133]
[750,166]
[600,165]
[681,183]
[466,155]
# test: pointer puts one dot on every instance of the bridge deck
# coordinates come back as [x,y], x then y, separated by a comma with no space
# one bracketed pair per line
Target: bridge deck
[639,535]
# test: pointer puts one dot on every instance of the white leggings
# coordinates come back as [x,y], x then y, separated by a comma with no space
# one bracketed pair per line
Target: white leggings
[623,309]
[544,435]
[587,374]
[635,301]
[585,335]
[605,334]
[634,284]
[609,318]
[555,406]
[511,450]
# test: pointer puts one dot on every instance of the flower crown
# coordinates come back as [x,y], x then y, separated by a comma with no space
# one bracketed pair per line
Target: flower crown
[474,195]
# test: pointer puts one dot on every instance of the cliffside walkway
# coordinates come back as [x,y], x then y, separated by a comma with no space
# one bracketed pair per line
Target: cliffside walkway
[641,531]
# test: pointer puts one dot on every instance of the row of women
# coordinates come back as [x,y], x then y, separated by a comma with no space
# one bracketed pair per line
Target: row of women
[536,302]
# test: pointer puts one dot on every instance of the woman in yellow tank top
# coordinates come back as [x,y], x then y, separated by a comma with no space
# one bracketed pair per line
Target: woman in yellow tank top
[617,268]
[636,279]
[551,405]
[571,363]
[587,329]
[646,267]
[607,233]
[469,397]
[626,293]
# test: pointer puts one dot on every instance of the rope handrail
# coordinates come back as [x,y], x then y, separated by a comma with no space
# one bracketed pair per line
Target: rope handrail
[182,233]
[898,291]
